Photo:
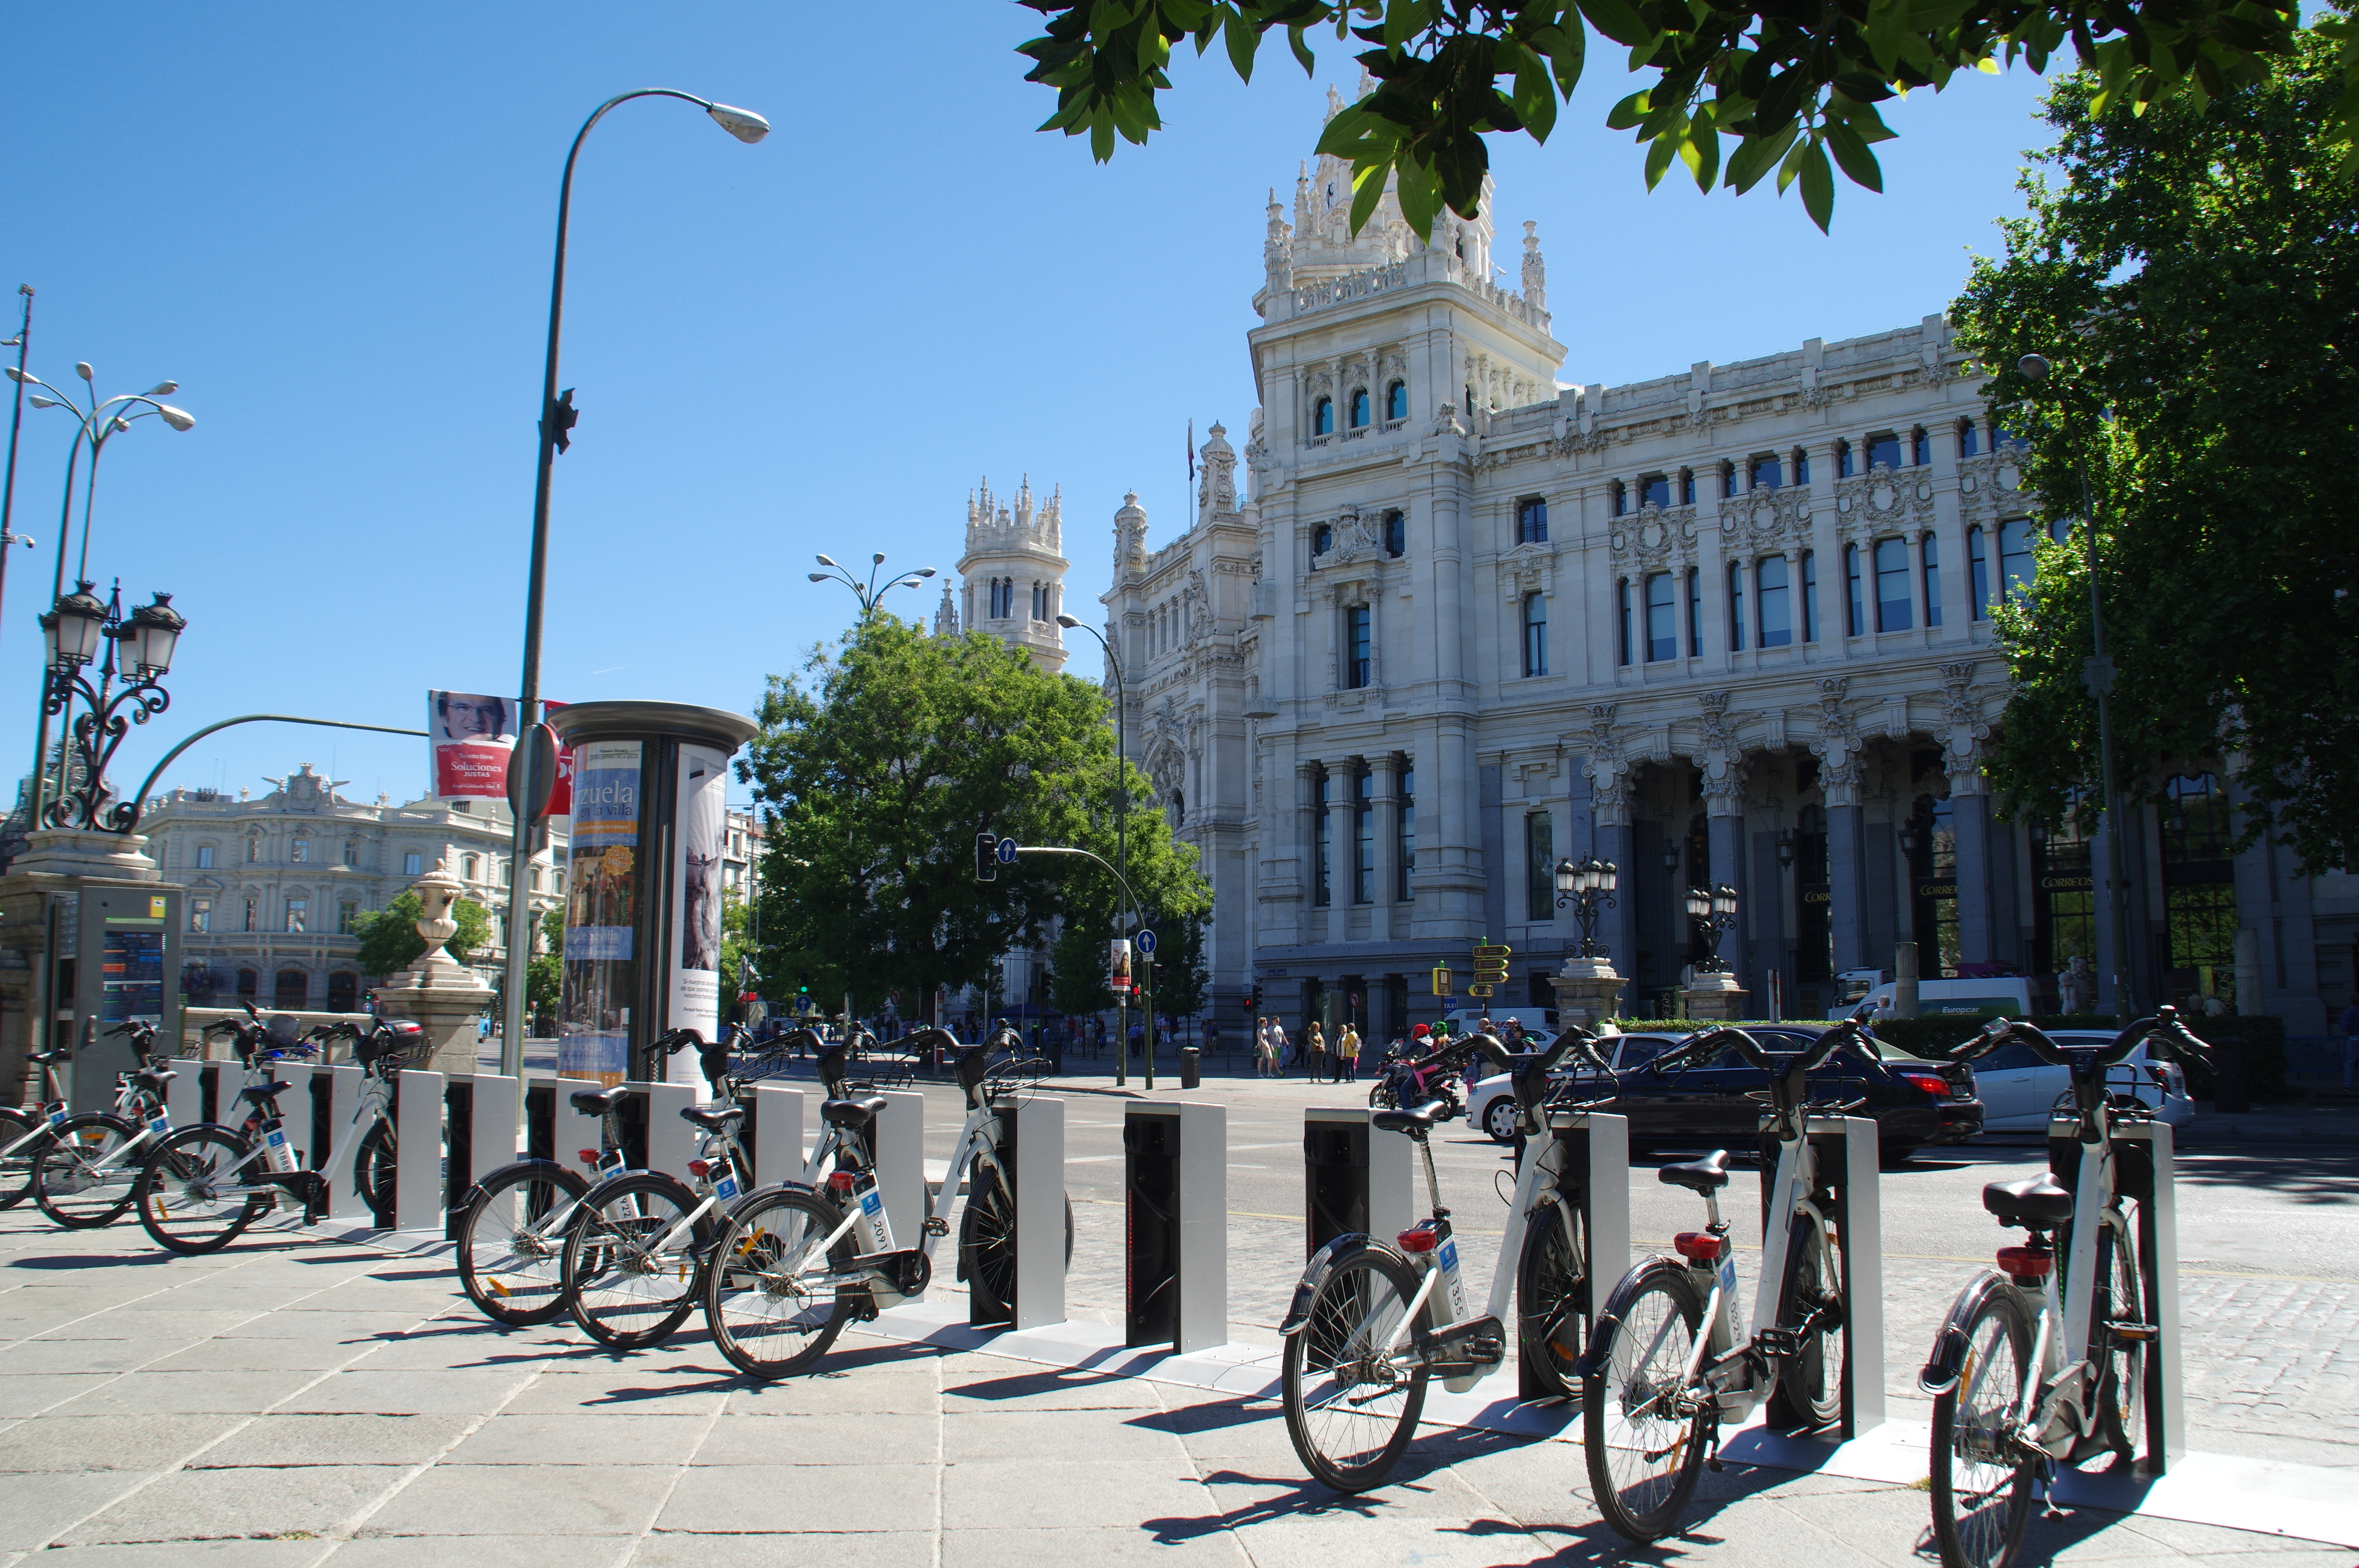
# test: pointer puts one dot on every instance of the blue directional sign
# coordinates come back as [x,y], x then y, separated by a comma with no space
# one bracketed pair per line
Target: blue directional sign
[1007,852]
[1146,942]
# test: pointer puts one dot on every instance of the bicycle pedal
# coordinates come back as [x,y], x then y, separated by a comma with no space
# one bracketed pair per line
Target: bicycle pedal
[1782,1344]
[2138,1332]
[935,1226]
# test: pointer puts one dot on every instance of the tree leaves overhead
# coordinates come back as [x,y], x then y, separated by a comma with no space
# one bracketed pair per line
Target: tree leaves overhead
[1790,84]
[2190,277]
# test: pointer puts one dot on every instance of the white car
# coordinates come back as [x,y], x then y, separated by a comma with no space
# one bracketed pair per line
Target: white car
[2017,1088]
[1491,1104]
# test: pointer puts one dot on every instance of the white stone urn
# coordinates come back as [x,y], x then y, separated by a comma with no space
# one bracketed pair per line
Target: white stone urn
[437,891]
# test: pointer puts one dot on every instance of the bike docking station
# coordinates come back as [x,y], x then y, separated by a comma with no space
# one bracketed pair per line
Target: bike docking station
[1355,1180]
[1592,1173]
[1032,1145]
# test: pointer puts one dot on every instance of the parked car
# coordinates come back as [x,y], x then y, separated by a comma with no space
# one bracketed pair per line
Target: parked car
[1914,1102]
[2016,1088]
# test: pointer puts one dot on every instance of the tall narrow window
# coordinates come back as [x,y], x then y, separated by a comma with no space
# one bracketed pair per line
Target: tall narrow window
[1844,467]
[1968,438]
[1535,634]
[411,863]
[1687,487]
[1617,498]
[1396,533]
[1322,865]
[1359,407]
[1775,613]
[1531,521]
[1891,596]
[1622,607]
[1736,607]
[1920,448]
[1363,838]
[201,915]
[1801,466]
[204,857]
[348,916]
[2018,560]
[1322,539]
[1933,582]
[1408,830]
[1396,401]
[1539,866]
[1766,471]
[352,854]
[1810,596]
[1662,618]
[1355,646]
[1654,490]
[1695,613]
[468,864]
[1855,602]
[299,913]
[1323,418]
[1728,472]
[301,851]
[1978,568]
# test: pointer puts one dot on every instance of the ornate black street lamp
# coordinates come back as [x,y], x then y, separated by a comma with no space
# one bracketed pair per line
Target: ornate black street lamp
[1714,912]
[1588,888]
[138,651]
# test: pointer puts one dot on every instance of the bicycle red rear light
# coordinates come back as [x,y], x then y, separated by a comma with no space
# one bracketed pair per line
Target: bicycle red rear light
[1418,1238]
[589,1156]
[839,1182]
[1698,1246]
[2025,1262]
[698,1168]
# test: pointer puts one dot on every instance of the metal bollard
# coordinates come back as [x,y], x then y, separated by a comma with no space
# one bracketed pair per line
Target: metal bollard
[776,1120]
[671,1141]
[570,1131]
[184,1094]
[899,1146]
[1853,1157]
[417,1163]
[1039,1175]
[492,1138]
[1176,1184]
[344,1102]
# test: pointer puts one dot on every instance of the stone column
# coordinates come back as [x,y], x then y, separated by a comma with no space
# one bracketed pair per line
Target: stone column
[444,996]
[1847,879]
[1386,923]
[1725,825]
[1976,842]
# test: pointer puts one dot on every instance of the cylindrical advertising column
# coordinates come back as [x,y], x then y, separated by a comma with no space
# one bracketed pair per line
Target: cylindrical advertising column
[643,888]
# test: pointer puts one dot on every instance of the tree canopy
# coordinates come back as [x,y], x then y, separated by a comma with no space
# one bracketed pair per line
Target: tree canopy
[878,765]
[1786,86]
[2190,276]
[391,942]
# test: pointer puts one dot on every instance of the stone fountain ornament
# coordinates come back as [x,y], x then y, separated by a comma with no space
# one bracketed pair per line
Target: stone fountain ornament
[442,994]
[437,891]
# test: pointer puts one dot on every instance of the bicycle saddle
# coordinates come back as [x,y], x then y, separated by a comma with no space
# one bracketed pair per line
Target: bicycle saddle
[712,1117]
[156,1080]
[2035,1202]
[1417,1123]
[261,1092]
[851,1113]
[598,1102]
[1708,1174]
[46,1057]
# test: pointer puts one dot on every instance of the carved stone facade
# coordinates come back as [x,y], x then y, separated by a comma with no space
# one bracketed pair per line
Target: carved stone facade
[1013,572]
[1730,625]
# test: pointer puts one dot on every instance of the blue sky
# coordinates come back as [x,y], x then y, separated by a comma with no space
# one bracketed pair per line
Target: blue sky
[332,225]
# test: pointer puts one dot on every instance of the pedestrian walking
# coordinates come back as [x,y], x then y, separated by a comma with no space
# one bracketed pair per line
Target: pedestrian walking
[1347,1056]
[1277,1045]
[1314,1046]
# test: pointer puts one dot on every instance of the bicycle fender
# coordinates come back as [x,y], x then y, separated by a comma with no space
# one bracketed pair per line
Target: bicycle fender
[1947,1363]
[1321,1264]
[552,1170]
[1608,1327]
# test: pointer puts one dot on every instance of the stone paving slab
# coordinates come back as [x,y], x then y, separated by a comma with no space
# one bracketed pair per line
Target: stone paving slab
[420,1436]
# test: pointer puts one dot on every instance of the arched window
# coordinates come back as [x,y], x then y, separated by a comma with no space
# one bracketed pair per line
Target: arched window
[1766,471]
[1884,451]
[1687,487]
[293,989]
[1535,635]
[1322,417]
[1396,533]
[1654,490]
[1396,401]
[1844,467]
[1470,400]
[1359,409]
[1178,809]
[1968,438]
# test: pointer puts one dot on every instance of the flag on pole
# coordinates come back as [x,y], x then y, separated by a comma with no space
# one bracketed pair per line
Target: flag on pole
[1192,451]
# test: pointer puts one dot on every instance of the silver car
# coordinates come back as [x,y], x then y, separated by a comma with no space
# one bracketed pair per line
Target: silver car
[2017,1088]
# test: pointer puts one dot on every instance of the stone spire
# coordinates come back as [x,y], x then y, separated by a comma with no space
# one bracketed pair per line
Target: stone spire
[1216,490]
[1535,268]
[946,615]
[1129,537]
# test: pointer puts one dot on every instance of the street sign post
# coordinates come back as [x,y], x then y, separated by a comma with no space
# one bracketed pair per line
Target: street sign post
[1006,851]
[1146,942]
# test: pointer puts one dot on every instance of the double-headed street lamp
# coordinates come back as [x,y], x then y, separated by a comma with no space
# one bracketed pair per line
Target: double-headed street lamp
[556,419]
[1588,888]
[76,622]
[1714,912]
[868,593]
[1120,840]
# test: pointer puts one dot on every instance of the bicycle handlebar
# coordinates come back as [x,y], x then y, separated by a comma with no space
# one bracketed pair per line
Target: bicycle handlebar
[1852,1031]
[2165,1034]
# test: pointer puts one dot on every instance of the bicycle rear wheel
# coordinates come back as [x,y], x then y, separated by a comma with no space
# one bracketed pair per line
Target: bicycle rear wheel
[373,1173]
[512,1243]
[623,1281]
[68,1182]
[1645,1448]
[1351,1402]
[1809,1394]
[763,1317]
[987,1242]
[191,1195]
[17,1170]
[1551,1296]
[1982,1492]
[2121,1391]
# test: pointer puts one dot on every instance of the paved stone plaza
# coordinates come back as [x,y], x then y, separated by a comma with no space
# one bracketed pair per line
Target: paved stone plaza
[301,1400]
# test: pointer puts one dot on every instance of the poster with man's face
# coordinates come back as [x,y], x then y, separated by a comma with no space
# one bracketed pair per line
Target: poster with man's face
[702,821]
[468,740]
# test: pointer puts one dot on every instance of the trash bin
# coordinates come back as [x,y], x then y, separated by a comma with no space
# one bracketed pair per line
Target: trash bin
[1192,1066]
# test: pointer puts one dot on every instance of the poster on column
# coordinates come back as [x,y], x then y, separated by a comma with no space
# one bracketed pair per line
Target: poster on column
[468,739]
[601,911]
[702,817]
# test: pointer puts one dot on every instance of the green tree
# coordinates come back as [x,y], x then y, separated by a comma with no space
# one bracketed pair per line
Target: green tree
[544,974]
[1077,971]
[736,950]
[391,942]
[2190,276]
[881,762]
[1181,981]
[1788,86]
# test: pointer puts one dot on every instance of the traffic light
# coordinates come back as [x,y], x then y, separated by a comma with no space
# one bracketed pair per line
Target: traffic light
[1490,967]
[987,856]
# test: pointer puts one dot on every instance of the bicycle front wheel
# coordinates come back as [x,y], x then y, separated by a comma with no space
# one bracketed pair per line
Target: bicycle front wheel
[512,1242]
[70,1181]
[1810,1387]
[22,1133]
[1982,1484]
[765,1316]
[987,1243]
[1352,1400]
[1551,1296]
[192,1196]
[631,1269]
[373,1173]
[2121,1393]
[1644,1441]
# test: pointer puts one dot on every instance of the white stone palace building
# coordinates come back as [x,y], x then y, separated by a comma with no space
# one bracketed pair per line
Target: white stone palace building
[1731,625]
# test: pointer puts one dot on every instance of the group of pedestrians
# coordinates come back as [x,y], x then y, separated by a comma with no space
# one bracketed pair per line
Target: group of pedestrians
[1321,1060]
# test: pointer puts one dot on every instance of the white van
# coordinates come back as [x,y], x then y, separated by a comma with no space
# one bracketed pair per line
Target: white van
[1996,996]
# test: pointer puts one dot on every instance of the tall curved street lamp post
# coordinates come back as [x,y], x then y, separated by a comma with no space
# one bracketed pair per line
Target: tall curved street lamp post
[1121,842]
[82,624]
[2097,675]
[23,343]
[556,419]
